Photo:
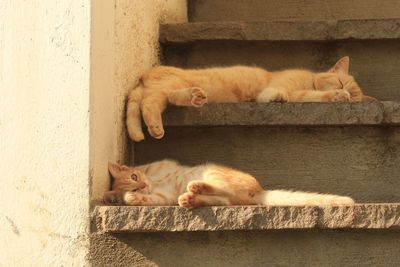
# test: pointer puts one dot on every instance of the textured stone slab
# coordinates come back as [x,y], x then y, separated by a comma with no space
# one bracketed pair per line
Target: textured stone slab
[368,113]
[262,10]
[363,29]
[391,112]
[108,219]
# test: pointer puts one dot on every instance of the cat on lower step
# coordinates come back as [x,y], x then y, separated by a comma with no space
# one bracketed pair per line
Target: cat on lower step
[167,182]
[164,85]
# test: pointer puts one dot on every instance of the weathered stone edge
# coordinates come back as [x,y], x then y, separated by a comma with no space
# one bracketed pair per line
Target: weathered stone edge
[361,29]
[247,114]
[118,219]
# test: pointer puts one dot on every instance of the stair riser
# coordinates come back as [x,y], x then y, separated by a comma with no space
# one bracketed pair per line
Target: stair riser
[375,64]
[279,248]
[359,161]
[261,10]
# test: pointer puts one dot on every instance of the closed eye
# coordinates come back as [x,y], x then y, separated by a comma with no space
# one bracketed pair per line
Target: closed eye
[342,86]
[134,190]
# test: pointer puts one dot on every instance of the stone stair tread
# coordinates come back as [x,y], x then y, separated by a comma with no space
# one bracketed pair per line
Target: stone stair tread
[125,219]
[361,29]
[260,10]
[251,113]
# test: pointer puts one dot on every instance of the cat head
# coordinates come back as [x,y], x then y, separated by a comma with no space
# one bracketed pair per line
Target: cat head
[338,77]
[125,179]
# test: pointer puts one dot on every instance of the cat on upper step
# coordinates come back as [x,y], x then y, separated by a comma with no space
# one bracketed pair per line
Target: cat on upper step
[164,85]
[167,182]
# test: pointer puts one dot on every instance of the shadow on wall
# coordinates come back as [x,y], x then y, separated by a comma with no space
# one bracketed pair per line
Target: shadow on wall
[253,248]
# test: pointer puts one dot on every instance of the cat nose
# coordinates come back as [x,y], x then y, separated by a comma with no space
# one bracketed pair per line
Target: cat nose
[142,185]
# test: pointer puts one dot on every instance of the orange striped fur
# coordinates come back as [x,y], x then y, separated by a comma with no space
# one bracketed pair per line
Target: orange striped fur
[168,183]
[164,85]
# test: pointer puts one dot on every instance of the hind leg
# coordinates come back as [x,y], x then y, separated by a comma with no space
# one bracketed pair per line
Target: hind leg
[193,96]
[201,187]
[152,107]
[190,200]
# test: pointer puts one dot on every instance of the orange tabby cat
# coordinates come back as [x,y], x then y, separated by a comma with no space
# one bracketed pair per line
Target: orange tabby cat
[168,183]
[168,85]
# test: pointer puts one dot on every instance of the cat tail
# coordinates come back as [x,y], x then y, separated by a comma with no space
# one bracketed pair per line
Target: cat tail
[296,198]
[133,114]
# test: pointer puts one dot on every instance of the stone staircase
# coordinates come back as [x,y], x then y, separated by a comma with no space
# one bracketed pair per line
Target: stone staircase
[342,148]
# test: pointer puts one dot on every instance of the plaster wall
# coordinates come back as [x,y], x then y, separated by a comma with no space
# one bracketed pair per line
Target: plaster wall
[44,132]
[66,67]
[124,45]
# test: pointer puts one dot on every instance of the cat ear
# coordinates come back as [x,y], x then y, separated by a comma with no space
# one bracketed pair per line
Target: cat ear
[341,66]
[115,169]
[111,198]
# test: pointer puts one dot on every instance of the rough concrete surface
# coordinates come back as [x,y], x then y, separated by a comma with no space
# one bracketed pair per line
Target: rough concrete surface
[261,10]
[366,113]
[120,219]
[365,29]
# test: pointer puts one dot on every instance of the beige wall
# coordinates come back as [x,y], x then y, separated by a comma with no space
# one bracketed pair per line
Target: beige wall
[44,132]
[66,67]
[117,65]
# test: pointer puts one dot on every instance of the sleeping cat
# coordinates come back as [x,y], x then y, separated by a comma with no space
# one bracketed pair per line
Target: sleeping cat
[164,85]
[168,183]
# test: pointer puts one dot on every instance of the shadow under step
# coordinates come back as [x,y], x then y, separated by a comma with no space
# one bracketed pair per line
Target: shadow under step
[262,10]
[362,29]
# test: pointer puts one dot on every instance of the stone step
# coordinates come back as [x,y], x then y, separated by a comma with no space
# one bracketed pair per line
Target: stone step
[324,30]
[350,149]
[289,114]
[364,235]
[261,10]
[371,44]
[313,247]
[124,219]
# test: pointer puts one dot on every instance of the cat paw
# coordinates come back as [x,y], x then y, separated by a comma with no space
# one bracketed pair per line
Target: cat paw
[272,95]
[281,97]
[187,200]
[157,131]
[134,199]
[338,96]
[198,188]
[198,97]
[136,136]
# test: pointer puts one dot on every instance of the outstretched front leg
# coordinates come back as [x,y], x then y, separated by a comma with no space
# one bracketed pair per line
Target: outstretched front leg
[339,95]
[193,96]
[133,116]
[152,107]
[156,199]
